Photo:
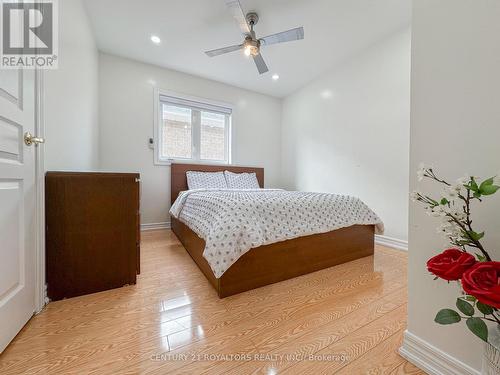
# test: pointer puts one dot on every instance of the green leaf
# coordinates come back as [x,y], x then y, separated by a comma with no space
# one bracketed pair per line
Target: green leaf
[470,298]
[465,307]
[478,327]
[475,236]
[473,185]
[481,258]
[447,316]
[485,309]
[487,182]
[444,202]
[489,189]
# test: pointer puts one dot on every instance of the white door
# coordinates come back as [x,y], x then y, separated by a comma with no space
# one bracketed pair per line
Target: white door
[17,202]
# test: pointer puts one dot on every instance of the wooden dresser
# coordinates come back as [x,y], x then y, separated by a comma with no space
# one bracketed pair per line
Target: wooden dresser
[92,232]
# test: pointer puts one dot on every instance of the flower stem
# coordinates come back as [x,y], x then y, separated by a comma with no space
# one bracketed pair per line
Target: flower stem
[467,228]
[476,243]
[496,318]
[434,177]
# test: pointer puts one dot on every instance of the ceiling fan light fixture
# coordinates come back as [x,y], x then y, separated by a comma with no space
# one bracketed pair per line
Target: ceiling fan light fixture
[254,51]
[251,47]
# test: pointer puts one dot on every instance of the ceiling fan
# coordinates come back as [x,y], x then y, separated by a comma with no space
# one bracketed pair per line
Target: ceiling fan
[251,45]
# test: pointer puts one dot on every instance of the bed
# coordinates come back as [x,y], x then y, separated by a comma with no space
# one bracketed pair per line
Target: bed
[270,263]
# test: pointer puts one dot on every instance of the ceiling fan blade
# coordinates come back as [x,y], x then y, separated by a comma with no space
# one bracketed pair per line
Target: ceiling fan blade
[234,7]
[260,63]
[284,36]
[220,51]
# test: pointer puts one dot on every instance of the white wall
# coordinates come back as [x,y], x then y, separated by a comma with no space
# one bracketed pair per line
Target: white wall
[347,132]
[455,125]
[71,95]
[126,123]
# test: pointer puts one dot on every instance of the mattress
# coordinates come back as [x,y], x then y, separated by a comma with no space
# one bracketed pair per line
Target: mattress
[233,221]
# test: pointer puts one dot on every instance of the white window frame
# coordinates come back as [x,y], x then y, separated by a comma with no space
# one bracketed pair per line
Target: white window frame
[207,103]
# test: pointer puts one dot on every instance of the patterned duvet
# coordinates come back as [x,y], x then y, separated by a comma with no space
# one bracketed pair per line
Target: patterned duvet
[233,221]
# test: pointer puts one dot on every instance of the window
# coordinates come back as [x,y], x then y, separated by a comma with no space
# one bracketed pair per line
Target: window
[191,129]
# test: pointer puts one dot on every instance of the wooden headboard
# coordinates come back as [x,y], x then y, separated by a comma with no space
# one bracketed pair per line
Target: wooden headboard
[178,180]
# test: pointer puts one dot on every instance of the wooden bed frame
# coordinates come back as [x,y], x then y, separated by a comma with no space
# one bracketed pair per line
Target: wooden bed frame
[280,261]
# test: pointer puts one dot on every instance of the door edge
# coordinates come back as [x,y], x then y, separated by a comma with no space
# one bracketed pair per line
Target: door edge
[41,291]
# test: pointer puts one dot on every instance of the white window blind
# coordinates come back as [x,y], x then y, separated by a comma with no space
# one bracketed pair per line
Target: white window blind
[194,104]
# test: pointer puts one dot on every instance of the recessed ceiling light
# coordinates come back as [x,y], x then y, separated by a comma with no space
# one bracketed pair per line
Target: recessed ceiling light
[155,39]
[326,94]
[276,77]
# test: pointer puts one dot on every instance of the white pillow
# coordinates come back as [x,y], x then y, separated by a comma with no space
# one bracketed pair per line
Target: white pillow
[241,180]
[205,180]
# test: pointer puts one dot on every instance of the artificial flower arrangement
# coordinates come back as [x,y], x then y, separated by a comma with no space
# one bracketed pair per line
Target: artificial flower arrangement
[467,262]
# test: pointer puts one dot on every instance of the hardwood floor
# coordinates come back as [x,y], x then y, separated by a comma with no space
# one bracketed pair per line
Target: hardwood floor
[348,319]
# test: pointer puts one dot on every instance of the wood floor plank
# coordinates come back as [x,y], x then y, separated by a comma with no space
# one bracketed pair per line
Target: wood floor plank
[274,315]
[383,359]
[173,322]
[275,342]
[353,345]
[343,288]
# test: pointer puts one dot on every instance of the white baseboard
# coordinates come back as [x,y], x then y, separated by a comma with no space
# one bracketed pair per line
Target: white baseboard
[155,226]
[393,243]
[431,359]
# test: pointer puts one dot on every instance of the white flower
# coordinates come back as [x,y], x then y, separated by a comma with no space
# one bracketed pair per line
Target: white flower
[449,229]
[457,188]
[438,211]
[421,171]
[458,213]
[414,195]
[445,229]
[420,175]
[464,180]
[450,193]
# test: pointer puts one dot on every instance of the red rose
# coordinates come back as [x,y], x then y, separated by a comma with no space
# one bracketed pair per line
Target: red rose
[451,264]
[483,282]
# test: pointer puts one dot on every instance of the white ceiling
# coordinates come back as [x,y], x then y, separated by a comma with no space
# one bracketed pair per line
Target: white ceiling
[334,30]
